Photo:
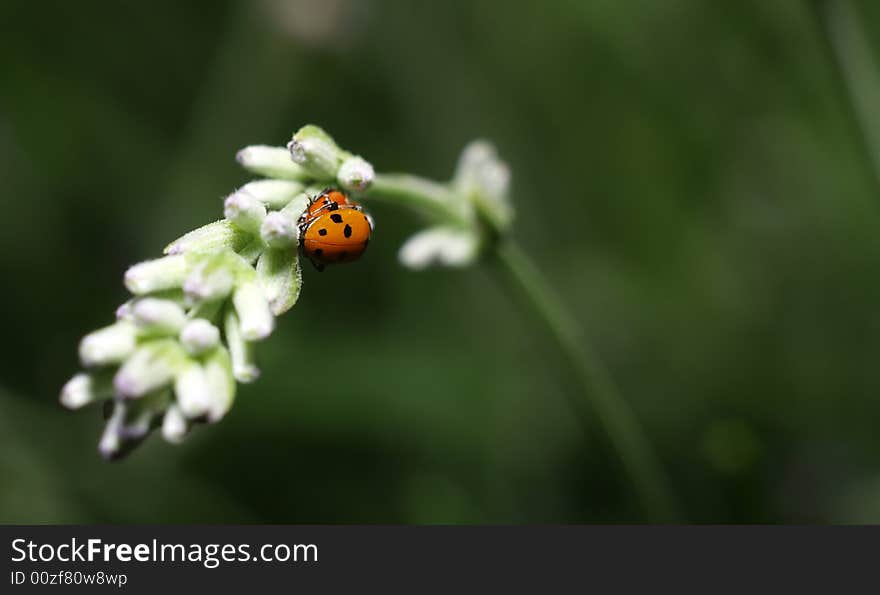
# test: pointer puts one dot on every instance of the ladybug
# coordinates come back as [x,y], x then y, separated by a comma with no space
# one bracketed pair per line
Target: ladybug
[334,229]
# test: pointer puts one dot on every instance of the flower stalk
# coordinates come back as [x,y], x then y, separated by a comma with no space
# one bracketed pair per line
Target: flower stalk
[188,336]
[473,216]
[855,71]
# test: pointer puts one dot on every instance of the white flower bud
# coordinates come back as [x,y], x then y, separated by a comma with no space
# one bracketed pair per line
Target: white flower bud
[320,158]
[192,390]
[156,275]
[84,389]
[253,311]
[130,422]
[212,237]
[280,230]
[242,352]
[210,279]
[174,425]
[355,174]
[111,440]
[199,336]
[149,368]
[218,370]
[280,277]
[158,316]
[272,162]
[485,180]
[109,345]
[244,211]
[316,152]
[273,193]
[123,312]
[440,245]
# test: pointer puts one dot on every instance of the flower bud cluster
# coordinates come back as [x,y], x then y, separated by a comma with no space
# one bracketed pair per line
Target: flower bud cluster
[179,346]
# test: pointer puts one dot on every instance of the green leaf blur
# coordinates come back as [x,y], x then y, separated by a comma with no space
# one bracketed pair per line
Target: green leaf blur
[686,172]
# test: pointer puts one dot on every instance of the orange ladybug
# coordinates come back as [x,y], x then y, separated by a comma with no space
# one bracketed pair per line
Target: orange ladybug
[334,229]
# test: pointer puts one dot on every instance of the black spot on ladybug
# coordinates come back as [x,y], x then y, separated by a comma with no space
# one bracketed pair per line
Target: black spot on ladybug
[347,231]
[334,206]
[322,232]
[336,217]
[319,252]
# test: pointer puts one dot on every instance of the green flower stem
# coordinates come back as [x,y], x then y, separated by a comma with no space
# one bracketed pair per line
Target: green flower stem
[599,389]
[856,72]
[424,196]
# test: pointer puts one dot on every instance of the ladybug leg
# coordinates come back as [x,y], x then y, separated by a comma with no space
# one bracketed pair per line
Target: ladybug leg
[319,266]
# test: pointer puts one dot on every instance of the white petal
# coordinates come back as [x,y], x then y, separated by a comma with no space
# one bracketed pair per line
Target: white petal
[272,162]
[280,277]
[253,312]
[280,230]
[199,336]
[274,193]
[156,275]
[158,315]
[150,367]
[84,388]
[109,345]
[193,391]
[355,174]
[174,425]
[439,245]
[242,352]
[244,211]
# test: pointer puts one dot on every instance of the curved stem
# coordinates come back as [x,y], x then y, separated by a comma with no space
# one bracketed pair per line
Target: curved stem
[856,73]
[440,203]
[615,414]
[425,196]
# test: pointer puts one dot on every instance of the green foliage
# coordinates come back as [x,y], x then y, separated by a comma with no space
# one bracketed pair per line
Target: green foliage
[684,171]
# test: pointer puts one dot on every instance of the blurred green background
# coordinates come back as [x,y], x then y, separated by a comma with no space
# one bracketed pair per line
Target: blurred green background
[685,173]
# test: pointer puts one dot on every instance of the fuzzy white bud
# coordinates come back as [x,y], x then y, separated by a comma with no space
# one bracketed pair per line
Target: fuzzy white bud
[84,389]
[209,280]
[279,230]
[158,316]
[123,312]
[272,162]
[111,440]
[356,174]
[242,352]
[109,345]
[192,390]
[156,275]
[199,336]
[317,156]
[218,371]
[254,314]
[150,367]
[212,237]
[244,211]
[273,193]
[174,425]
[280,277]
[439,245]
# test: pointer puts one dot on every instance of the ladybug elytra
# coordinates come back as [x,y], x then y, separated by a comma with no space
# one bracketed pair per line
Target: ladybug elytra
[334,229]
